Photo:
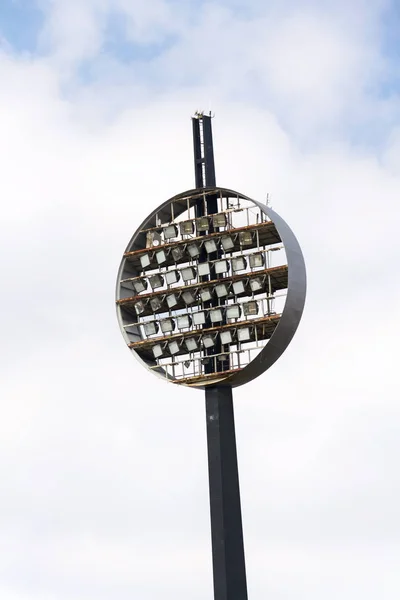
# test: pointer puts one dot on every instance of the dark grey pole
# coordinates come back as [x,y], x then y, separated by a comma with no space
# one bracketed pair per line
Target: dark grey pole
[229,569]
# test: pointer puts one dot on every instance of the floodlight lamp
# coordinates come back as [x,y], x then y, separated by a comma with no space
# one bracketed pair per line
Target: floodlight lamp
[238,287]
[188,273]
[226,337]
[221,290]
[155,303]
[193,250]
[219,220]
[139,285]
[172,300]
[167,325]
[203,269]
[250,308]
[243,334]
[223,357]
[216,315]
[184,322]
[139,308]
[145,260]
[158,351]
[153,238]
[233,311]
[170,232]
[191,344]
[187,227]
[151,327]
[205,295]
[256,260]
[208,341]
[210,246]
[177,253]
[221,266]
[245,238]
[199,318]
[227,243]
[188,297]
[202,224]
[238,263]
[256,284]
[172,277]
[156,281]
[161,257]
[173,347]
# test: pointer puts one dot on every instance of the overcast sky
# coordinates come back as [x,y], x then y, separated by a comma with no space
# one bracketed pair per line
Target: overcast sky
[104,489]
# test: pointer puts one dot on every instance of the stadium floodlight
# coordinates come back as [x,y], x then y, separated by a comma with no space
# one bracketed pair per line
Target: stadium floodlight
[243,334]
[227,243]
[208,341]
[239,263]
[161,257]
[221,290]
[151,327]
[250,308]
[221,266]
[203,269]
[172,300]
[158,350]
[173,347]
[191,344]
[205,295]
[188,273]
[145,261]
[233,311]
[238,287]
[194,250]
[216,315]
[202,224]
[156,281]
[167,325]
[219,220]
[187,227]
[210,246]
[155,303]
[189,297]
[226,337]
[245,238]
[170,232]
[139,285]
[172,277]
[139,307]
[199,318]
[256,284]
[183,322]
[256,260]
[177,253]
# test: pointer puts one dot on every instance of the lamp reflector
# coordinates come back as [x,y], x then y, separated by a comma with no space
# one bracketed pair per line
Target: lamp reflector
[243,334]
[188,273]
[173,347]
[184,322]
[187,227]
[208,341]
[145,260]
[250,308]
[172,277]
[177,253]
[233,311]
[239,263]
[216,315]
[139,285]
[157,351]
[256,284]
[191,344]
[151,327]
[193,250]
[199,318]
[221,266]
[156,281]
[226,337]
[161,256]
[172,300]
[245,238]
[205,295]
[238,287]
[188,297]
[155,303]
[139,307]
[256,260]
[221,290]
[202,224]
[210,246]
[227,243]
[170,232]
[219,220]
[203,269]
[167,325]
